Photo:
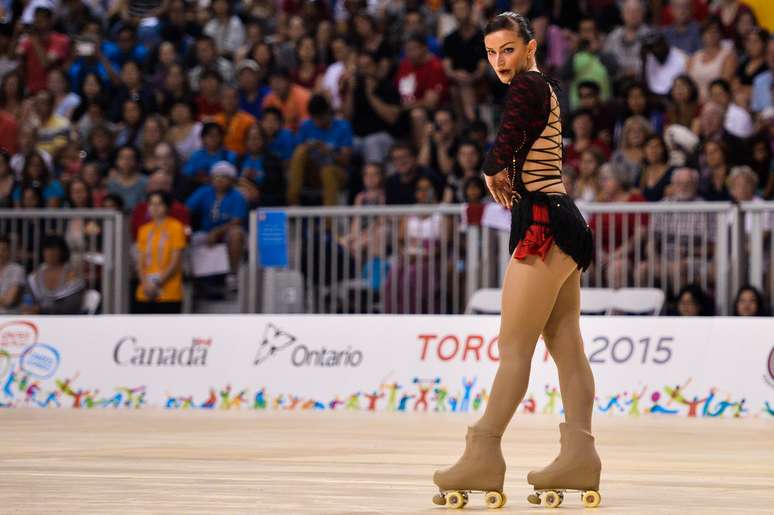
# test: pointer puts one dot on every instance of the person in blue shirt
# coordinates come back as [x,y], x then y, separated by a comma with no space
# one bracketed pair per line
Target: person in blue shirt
[219,214]
[201,161]
[324,148]
[763,83]
[282,141]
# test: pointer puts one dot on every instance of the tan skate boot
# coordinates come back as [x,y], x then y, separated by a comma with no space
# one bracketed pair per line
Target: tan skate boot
[576,468]
[480,468]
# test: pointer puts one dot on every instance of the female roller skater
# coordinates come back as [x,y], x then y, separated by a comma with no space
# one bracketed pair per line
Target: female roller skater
[551,245]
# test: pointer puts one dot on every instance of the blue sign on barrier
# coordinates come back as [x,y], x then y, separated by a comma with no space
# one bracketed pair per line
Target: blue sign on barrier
[273,239]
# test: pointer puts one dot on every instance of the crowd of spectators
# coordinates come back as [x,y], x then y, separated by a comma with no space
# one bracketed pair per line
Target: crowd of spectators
[198,111]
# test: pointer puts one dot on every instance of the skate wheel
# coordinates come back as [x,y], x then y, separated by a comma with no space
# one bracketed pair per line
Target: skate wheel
[533,499]
[439,499]
[495,500]
[456,500]
[591,498]
[552,499]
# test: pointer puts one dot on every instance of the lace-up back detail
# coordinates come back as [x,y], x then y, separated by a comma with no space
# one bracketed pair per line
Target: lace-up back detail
[529,140]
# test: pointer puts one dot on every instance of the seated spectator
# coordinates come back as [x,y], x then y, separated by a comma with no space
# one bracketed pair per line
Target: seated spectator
[754,61]
[763,82]
[656,172]
[92,175]
[587,187]
[251,91]
[749,302]
[261,180]
[11,278]
[714,171]
[291,99]
[185,132]
[7,181]
[308,72]
[324,150]
[368,234]
[132,87]
[55,287]
[65,101]
[373,106]
[715,59]
[638,102]
[628,158]
[619,237]
[693,301]
[684,31]
[465,60]
[212,151]
[225,28]
[439,143]
[420,78]
[737,121]
[154,131]
[281,141]
[80,231]
[219,213]
[467,164]
[160,243]
[338,76]
[53,130]
[209,101]
[602,114]
[208,58]
[37,174]
[234,121]
[126,48]
[583,138]
[158,182]
[400,187]
[662,63]
[130,124]
[683,107]
[125,180]
[625,42]
[41,48]
[589,63]
[174,89]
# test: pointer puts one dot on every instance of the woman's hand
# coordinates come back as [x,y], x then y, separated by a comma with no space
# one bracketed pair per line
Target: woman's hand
[500,187]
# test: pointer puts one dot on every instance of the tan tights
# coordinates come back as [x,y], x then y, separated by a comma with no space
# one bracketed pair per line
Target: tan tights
[540,296]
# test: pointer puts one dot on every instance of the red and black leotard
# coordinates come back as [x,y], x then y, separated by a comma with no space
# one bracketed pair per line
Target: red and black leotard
[539,218]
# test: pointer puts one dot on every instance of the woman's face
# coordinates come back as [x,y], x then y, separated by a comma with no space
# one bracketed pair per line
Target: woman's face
[91,86]
[588,165]
[152,132]
[473,193]
[30,199]
[306,49]
[175,79]
[687,305]
[126,161]
[467,157]
[747,304]
[372,177]
[181,114]
[637,136]
[270,124]
[713,155]
[754,47]
[79,194]
[680,92]
[91,176]
[254,140]
[36,167]
[167,54]
[508,54]
[582,126]
[56,83]
[262,55]
[610,186]
[51,256]
[424,192]
[132,113]
[654,151]
[636,101]
[165,159]
[711,37]
[156,208]
[130,75]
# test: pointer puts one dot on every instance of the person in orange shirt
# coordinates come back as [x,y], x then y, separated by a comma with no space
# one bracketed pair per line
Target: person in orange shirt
[234,121]
[289,98]
[160,245]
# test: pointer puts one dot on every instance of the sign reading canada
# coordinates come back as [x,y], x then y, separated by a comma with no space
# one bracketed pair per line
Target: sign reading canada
[719,367]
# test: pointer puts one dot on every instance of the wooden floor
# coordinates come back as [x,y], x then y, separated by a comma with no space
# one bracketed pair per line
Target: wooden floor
[68,461]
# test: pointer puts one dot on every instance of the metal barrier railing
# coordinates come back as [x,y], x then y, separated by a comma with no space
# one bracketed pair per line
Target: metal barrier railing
[758,222]
[665,245]
[97,239]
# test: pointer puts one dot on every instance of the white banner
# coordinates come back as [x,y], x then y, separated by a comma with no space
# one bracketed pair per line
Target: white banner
[716,367]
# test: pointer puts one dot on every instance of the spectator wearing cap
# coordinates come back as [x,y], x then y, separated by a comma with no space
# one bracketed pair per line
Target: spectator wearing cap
[219,213]
[208,59]
[420,78]
[324,148]
[373,106]
[251,92]
[212,151]
[234,121]
[41,49]
[224,28]
[280,139]
[160,245]
[289,98]
[158,181]
[125,180]
[683,32]
[763,83]
[465,60]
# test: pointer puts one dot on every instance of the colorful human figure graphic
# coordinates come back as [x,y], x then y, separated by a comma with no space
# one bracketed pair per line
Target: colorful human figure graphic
[634,402]
[440,398]
[392,395]
[211,400]
[529,405]
[335,403]
[373,398]
[53,397]
[424,385]
[721,408]
[768,408]
[468,387]
[260,399]
[740,409]
[8,384]
[693,405]
[552,393]
[706,408]
[481,397]
[294,402]
[278,401]
[353,403]
[402,405]
[657,408]
[453,403]
[613,401]
[675,394]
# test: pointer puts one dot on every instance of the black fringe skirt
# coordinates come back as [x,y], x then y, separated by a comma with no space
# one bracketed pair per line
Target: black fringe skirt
[566,224]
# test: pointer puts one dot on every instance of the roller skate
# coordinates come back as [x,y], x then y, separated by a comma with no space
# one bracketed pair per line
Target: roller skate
[481,468]
[576,469]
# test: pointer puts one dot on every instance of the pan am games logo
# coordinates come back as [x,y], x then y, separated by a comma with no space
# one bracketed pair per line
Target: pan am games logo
[770,369]
[276,340]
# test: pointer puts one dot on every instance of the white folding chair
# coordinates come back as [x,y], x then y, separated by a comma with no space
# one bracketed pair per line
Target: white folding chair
[637,301]
[90,302]
[596,301]
[486,301]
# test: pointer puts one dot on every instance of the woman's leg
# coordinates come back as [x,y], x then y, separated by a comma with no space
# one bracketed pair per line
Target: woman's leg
[578,465]
[530,290]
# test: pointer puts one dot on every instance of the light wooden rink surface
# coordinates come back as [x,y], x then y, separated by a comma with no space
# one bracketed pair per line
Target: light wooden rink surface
[153,461]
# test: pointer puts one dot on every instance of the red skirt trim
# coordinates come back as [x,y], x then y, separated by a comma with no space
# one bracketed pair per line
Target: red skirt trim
[537,241]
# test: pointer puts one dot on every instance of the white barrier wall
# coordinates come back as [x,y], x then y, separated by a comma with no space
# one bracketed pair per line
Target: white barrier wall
[717,367]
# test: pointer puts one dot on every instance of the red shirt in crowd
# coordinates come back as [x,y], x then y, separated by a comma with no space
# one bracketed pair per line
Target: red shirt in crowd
[57,48]
[9,132]
[140,216]
[414,81]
